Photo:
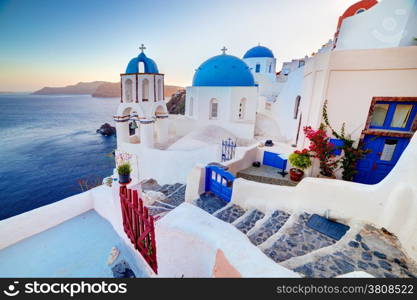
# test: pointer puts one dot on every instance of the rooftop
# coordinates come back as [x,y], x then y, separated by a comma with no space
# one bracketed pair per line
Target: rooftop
[78,247]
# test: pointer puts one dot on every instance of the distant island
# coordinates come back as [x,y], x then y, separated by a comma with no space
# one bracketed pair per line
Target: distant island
[100,89]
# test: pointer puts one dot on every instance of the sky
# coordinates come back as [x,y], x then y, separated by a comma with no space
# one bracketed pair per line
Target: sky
[60,42]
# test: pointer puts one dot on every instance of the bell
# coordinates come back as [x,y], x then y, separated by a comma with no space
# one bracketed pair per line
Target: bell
[133,125]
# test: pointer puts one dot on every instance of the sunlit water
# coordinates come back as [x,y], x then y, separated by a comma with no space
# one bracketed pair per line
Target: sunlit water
[48,143]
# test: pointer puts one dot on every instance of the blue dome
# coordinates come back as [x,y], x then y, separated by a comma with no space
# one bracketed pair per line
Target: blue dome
[150,65]
[258,51]
[223,70]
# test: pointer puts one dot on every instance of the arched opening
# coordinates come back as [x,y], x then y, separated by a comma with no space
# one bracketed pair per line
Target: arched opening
[242,109]
[145,89]
[130,128]
[296,107]
[258,68]
[161,125]
[141,67]
[160,97]
[191,107]
[128,90]
[360,10]
[214,109]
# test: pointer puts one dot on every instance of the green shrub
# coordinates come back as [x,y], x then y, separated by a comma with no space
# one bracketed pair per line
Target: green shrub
[300,161]
[124,169]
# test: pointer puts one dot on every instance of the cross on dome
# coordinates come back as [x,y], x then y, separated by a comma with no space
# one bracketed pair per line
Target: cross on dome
[224,49]
[142,47]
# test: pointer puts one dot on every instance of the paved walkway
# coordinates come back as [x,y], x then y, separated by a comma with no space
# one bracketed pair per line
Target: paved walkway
[286,239]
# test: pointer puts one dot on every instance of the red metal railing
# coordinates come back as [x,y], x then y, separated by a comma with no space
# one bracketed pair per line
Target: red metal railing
[139,225]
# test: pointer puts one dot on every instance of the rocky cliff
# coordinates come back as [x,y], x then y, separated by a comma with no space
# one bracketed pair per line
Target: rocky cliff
[76,89]
[176,105]
[100,89]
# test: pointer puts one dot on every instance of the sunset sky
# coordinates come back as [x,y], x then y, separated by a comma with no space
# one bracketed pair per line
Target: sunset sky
[57,42]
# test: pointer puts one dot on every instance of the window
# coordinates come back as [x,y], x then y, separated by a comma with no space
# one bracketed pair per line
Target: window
[270,68]
[191,107]
[359,11]
[301,63]
[401,115]
[242,109]
[214,109]
[393,115]
[379,115]
[296,106]
[145,90]
[258,68]
[388,151]
[128,90]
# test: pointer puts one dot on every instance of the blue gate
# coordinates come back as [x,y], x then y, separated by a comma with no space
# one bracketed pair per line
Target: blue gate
[220,182]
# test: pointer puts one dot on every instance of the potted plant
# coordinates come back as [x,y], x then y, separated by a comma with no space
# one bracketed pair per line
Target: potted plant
[124,171]
[300,160]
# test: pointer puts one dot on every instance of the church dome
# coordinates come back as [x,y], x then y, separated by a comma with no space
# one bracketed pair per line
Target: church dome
[223,70]
[258,51]
[149,64]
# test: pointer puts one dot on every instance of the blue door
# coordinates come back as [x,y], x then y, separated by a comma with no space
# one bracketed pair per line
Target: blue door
[385,152]
[220,182]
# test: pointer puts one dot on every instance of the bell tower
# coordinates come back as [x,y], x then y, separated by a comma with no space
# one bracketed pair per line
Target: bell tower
[142,110]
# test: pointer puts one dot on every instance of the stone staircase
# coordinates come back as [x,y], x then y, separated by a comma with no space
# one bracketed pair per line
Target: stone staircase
[175,194]
[286,239]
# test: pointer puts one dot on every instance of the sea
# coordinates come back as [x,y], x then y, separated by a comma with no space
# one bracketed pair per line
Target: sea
[48,145]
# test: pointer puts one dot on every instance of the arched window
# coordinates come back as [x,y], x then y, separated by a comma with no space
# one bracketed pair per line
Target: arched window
[145,90]
[214,109]
[128,90]
[141,67]
[296,106]
[359,11]
[160,98]
[258,68]
[191,107]
[242,109]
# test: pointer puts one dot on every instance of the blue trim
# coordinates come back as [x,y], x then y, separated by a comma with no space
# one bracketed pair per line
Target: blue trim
[390,115]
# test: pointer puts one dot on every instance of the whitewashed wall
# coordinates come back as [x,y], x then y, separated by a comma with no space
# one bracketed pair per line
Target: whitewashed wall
[390,23]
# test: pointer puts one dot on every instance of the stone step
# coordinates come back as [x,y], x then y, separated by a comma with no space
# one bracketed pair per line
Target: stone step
[210,202]
[231,213]
[369,250]
[168,189]
[250,220]
[296,240]
[271,226]
[177,197]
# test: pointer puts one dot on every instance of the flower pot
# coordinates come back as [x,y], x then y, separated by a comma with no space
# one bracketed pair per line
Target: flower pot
[296,174]
[124,178]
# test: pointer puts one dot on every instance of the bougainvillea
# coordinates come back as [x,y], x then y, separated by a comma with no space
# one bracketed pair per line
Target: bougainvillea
[351,154]
[321,148]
